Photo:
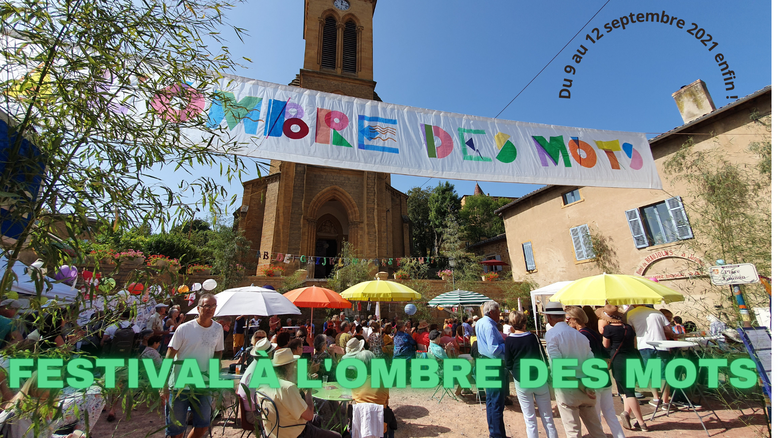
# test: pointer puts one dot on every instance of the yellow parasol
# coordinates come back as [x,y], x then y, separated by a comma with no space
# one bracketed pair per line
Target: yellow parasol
[380,290]
[613,289]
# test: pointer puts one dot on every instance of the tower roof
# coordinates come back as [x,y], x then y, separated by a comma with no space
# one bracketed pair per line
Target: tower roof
[477,190]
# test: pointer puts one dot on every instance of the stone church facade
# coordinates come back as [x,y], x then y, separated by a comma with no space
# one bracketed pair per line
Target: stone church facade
[310,210]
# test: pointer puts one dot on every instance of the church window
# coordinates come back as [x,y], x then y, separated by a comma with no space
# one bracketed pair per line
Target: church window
[350,48]
[329,46]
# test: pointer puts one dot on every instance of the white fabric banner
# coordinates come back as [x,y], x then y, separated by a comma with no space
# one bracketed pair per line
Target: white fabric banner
[312,127]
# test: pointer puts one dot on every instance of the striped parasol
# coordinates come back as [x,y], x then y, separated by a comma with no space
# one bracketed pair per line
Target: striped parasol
[458,298]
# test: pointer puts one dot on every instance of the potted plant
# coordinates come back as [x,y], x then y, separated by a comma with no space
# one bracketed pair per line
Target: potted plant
[130,257]
[445,274]
[401,275]
[490,276]
[198,269]
[272,271]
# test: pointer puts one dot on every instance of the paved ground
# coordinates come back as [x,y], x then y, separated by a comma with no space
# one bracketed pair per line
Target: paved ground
[419,416]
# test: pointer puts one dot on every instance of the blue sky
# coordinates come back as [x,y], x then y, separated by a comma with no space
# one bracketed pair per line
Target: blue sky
[475,57]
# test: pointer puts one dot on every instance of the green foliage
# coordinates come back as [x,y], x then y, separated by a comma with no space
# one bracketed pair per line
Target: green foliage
[731,212]
[226,248]
[347,273]
[478,219]
[422,235]
[467,266]
[443,202]
[605,258]
[294,281]
[513,290]
[175,246]
[415,269]
[76,64]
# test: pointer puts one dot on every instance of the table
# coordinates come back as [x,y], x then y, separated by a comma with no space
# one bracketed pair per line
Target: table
[333,392]
[675,348]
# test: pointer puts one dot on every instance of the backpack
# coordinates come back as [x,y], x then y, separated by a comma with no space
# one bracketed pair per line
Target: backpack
[123,343]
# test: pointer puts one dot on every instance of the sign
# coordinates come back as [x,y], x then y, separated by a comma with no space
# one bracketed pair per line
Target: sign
[312,127]
[743,273]
[669,253]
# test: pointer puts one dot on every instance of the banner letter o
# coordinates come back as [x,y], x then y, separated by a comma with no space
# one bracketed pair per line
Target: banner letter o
[295,135]
[342,122]
[161,103]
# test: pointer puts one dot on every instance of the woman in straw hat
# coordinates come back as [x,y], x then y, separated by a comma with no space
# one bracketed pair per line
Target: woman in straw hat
[296,415]
[620,340]
[577,319]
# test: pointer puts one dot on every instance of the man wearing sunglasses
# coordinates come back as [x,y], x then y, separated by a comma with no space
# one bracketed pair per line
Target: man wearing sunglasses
[200,339]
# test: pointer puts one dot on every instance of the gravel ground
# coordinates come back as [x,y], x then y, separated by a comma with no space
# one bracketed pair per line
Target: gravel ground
[420,416]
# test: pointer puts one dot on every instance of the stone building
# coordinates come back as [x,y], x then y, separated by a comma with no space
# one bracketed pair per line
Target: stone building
[642,232]
[310,210]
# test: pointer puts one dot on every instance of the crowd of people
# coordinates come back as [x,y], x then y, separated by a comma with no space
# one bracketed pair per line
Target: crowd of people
[609,333]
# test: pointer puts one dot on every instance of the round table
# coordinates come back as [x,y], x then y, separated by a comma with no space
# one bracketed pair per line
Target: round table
[333,392]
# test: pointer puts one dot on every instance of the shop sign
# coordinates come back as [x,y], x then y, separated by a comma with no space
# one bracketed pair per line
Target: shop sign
[743,273]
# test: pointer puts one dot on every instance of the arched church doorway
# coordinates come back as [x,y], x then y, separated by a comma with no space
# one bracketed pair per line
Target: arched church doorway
[331,232]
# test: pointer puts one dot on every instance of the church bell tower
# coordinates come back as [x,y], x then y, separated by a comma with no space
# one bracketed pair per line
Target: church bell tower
[312,211]
[339,47]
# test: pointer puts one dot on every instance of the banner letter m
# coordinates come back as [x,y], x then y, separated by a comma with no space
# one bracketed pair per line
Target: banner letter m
[225,106]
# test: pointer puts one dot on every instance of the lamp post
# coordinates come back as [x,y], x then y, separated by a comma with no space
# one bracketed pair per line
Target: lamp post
[453,264]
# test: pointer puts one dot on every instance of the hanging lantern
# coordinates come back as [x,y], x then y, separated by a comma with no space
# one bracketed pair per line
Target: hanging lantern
[183,289]
[136,288]
[209,284]
[410,309]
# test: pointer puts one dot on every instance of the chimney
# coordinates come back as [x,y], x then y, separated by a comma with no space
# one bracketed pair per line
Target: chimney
[694,101]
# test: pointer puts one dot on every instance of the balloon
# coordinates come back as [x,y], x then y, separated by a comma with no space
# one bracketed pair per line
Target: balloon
[67,273]
[37,264]
[209,284]
[135,288]
[410,309]
[196,287]
[183,289]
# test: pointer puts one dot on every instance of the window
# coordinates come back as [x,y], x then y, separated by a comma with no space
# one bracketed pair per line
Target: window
[529,257]
[350,48]
[571,196]
[329,44]
[582,242]
[659,223]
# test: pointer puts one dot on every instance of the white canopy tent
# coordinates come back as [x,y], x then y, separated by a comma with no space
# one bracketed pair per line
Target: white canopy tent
[24,284]
[541,296]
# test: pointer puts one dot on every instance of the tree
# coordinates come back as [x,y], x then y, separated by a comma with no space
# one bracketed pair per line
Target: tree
[443,202]
[85,97]
[467,267]
[732,213]
[422,236]
[349,270]
[227,248]
[478,219]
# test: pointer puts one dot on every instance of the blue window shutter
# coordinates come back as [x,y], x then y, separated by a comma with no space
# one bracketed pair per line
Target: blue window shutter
[636,228]
[529,257]
[681,222]
[578,246]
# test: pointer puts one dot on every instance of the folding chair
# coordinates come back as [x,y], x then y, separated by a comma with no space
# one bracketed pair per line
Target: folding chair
[440,386]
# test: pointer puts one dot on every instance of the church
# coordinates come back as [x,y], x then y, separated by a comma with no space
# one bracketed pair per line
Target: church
[301,209]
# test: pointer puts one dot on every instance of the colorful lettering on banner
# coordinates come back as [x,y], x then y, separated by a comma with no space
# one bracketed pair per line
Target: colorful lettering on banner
[576,146]
[265,256]
[161,103]
[634,155]
[280,257]
[285,117]
[330,122]
[225,106]
[354,261]
[552,148]
[610,147]
[288,258]
[302,259]
[470,143]
[381,129]
[446,143]
[324,261]
[391,262]
[507,150]
[333,261]
[383,262]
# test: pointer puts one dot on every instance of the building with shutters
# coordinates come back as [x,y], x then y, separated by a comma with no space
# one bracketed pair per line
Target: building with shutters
[639,231]
[311,211]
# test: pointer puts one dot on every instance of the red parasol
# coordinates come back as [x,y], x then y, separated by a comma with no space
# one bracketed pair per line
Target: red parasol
[494,262]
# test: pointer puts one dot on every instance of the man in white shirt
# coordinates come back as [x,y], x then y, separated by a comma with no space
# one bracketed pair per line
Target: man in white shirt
[575,404]
[200,339]
[651,325]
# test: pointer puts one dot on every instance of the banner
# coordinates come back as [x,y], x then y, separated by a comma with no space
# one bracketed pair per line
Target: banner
[312,127]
